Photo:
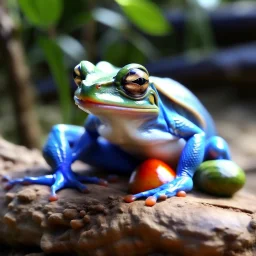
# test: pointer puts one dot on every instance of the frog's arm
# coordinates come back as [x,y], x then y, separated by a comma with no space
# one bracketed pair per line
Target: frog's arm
[191,156]
[66,142]
[193,152]
[64,145]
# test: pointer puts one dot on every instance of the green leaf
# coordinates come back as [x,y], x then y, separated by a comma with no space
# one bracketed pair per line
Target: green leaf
[54,57]
[110,18]
[145,15]
[42,13]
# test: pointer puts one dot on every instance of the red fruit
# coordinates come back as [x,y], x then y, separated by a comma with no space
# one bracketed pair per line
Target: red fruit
[152,173]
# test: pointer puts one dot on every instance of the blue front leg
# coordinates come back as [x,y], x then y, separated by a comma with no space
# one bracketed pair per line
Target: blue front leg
[64,145]
[191,156]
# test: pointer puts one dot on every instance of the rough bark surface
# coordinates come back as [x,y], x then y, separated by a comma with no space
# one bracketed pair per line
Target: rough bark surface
[100,223]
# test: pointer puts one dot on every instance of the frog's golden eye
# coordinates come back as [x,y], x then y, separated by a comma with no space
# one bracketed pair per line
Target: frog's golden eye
[135,83]
[77,75]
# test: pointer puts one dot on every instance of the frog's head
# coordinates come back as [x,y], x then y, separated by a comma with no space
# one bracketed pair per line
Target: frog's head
[125,90]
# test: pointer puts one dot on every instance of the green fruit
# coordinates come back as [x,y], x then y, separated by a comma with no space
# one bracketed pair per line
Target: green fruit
[219,177]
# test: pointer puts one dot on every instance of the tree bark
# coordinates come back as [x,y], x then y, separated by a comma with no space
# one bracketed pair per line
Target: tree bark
[20,86]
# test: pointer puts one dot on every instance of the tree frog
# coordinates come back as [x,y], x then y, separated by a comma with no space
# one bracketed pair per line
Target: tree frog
[132,117]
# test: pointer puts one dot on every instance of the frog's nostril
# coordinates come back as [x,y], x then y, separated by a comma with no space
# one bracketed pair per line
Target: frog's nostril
[98,86]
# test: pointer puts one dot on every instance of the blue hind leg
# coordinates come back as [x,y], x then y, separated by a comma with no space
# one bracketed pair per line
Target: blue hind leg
[218,175]
[109,157]
[216,148]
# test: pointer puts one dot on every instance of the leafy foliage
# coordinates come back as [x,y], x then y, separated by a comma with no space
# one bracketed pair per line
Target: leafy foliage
[54,57]
[42,13]
[145,15]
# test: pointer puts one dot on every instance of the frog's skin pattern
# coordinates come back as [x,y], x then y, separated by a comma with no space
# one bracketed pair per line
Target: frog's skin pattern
[132,117]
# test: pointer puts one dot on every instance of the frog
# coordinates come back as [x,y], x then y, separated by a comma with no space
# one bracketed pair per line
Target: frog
[132,116]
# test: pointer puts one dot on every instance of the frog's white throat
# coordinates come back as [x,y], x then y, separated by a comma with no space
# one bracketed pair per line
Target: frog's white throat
[122,128]
[133,134]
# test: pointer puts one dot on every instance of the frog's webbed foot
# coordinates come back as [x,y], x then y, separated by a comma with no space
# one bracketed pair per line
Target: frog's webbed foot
[169,189]
[43,180]
[57,181]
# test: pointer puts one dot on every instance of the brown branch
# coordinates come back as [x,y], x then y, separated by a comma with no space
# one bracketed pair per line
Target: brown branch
[20,86]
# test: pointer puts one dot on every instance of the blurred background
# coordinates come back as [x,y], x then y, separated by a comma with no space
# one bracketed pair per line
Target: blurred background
[208,45]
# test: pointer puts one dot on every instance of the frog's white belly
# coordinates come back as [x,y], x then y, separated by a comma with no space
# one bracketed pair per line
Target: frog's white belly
[168,151]
[152,143]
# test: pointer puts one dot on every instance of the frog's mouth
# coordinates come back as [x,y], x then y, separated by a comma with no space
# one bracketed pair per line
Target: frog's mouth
[89,105]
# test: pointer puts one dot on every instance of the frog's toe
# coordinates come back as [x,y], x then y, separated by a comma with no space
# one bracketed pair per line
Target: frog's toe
[8,186]
[181,193]
[61,182]
[81,187]
[149,193]
[160,195]
[129,198]
[5,178]
[53,198]
[93,180]
[177,187]
[152,195]
[150,201]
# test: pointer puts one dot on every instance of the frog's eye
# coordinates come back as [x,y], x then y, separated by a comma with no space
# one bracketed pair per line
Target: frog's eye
[135,83]
[82,70]
[77,75]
